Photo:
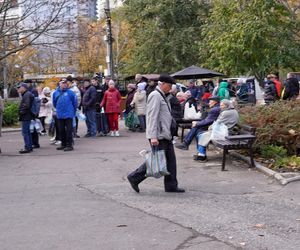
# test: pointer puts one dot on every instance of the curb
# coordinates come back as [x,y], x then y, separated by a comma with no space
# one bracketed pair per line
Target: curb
[10,130]
[280,177]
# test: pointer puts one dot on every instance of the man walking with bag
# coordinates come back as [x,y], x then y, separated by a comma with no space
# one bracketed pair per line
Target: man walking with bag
[158,131]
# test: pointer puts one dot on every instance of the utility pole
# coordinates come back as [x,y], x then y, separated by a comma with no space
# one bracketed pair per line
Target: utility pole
[4,65]
[109,41]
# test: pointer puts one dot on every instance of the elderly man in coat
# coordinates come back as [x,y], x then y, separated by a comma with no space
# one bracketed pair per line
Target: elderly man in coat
[158,132]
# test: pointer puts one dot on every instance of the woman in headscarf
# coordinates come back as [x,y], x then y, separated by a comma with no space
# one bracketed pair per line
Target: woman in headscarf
[139,104]
[228,116]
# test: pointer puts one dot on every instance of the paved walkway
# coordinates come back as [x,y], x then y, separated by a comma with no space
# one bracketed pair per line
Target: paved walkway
[81,200]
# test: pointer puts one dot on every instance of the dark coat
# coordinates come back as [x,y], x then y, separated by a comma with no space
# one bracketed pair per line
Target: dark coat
[176,108]
[291,89]
[25,113]
[89,98]
[129,99]
[270,91]
[211,117]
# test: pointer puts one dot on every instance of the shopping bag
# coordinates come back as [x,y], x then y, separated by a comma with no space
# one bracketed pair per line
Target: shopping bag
[219,131]
[190,112]
[132,120]
[156,163]
[80,115]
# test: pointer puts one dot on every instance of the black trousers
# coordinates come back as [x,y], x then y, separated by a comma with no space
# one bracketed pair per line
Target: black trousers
[170,181]
[35,138]
[57,132]
[66,131]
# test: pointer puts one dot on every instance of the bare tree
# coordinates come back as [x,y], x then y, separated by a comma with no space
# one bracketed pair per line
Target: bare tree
[23,22]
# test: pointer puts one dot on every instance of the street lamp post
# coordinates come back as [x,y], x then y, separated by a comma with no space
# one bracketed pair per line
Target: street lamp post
[109,41]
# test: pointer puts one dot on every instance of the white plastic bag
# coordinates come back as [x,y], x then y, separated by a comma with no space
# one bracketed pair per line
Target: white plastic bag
[80,115]
[190,112]
[219,131]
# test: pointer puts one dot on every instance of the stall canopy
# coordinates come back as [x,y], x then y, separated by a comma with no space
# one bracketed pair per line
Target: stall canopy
[194,72]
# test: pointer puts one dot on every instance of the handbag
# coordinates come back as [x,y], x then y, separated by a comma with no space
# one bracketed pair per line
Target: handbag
[156,163]
[219,131]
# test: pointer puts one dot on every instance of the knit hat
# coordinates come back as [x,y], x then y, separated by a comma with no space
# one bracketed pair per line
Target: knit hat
[142,85]
[46,90]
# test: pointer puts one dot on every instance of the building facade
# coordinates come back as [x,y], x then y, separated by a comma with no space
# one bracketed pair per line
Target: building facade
[56,48]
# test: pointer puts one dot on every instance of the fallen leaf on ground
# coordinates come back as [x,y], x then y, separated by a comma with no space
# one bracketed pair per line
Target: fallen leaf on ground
[260,226]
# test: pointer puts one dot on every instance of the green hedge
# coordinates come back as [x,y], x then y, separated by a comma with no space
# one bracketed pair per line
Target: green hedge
[11,114]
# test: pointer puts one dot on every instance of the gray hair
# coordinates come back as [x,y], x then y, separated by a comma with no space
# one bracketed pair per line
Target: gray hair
[228,104]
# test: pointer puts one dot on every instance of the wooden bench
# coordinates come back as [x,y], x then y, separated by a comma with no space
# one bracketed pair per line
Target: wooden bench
[244,140]
[185,124]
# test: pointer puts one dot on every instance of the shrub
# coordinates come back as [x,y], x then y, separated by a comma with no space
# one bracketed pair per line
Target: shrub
[274,152]
[276,124]
[11,114]
[288,163]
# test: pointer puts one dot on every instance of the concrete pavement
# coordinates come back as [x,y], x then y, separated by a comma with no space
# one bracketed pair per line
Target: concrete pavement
[81,200]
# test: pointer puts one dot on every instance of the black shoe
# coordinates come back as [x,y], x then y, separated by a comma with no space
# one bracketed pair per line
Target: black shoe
[68,149]
[182,146]
[87,135]
[76,136]
[25,151]
[60,148]
[175,190]
[35,146]
[200,158]
[133,185]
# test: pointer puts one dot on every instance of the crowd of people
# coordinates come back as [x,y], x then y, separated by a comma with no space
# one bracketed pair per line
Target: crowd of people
[151,106]
[63,107]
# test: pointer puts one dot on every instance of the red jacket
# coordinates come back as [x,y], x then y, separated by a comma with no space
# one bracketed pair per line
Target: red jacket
[278,87]
[111,101]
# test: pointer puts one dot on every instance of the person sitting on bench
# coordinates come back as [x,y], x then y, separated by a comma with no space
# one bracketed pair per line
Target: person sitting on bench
[228,116]
[201,126]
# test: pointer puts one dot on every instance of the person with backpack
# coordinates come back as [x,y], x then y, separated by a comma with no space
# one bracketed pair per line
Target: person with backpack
[25,116]
[65,103]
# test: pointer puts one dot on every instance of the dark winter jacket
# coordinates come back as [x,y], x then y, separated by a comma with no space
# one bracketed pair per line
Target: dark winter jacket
[270,92]
[89,98]
[176,108]
[129,99]
[211,117]
[149,89]
[291,89]
[25,113]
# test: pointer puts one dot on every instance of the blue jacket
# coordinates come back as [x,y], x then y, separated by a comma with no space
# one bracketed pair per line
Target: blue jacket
[211,117]
[65,103]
